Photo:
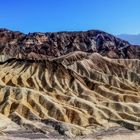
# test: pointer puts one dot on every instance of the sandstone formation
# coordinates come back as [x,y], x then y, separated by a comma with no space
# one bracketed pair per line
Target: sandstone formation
[79,89]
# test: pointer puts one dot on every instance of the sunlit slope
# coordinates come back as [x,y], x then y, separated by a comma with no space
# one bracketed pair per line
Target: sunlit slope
[80,90]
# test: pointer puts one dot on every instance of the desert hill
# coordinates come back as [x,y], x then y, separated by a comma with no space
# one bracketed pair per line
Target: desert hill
[51,45]
[79,89]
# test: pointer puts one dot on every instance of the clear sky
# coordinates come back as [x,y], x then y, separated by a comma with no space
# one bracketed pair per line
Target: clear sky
[113,16]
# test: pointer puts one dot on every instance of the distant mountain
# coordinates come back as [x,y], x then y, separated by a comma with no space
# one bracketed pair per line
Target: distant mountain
[133,39]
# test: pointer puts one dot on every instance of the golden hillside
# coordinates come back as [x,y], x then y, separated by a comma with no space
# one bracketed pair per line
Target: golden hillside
[78,92]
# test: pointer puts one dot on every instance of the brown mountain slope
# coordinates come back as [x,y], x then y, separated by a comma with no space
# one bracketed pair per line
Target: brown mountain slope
[77,93]
[50,45]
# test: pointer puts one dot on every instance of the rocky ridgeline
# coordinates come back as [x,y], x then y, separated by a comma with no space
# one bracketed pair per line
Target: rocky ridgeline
[49,45]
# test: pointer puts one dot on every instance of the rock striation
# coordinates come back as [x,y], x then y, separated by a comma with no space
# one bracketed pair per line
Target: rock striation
[78,82]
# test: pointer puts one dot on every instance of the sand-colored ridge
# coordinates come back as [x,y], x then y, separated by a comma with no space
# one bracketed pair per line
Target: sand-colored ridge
[84,92]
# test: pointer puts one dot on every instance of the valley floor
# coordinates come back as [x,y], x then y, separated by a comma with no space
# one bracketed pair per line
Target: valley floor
[114,133]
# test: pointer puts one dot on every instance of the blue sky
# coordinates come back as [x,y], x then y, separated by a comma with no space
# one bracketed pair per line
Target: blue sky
[113,16]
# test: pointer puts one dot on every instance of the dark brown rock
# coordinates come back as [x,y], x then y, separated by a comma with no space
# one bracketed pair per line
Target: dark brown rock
[50,45]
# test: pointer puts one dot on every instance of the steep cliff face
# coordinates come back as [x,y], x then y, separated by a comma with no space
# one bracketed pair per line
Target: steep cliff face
[50,45]
[69,81]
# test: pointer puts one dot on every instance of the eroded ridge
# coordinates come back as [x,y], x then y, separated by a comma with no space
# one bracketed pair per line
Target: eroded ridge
[84,92]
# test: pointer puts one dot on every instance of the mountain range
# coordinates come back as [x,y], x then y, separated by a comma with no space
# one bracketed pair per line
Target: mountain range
[133,39]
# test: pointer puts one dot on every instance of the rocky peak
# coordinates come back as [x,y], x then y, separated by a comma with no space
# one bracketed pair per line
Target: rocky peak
[50,45]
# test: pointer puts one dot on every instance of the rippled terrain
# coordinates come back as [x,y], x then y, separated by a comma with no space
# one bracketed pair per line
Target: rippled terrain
[75,92]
